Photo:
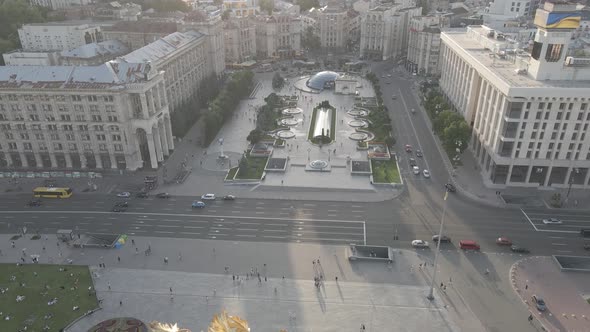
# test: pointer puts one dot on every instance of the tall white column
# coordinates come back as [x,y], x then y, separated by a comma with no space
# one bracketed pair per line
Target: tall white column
[23,160]
[113,160]
[169,133]
[98,160]
[53,160]
[68,160]
[82,161]
[38,160]
[158,143]
[163,139]
[152,150]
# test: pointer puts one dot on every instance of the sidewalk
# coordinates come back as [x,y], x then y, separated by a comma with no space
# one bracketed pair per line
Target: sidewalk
[381,297]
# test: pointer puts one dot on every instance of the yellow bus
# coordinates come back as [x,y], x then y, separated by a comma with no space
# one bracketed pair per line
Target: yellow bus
[52,192]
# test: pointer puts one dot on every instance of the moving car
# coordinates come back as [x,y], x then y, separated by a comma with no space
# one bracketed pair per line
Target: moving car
[426,173]
[413,162]
[229,197]
[503,241]
[419,244]
[419,153]
[34,202]
[124,194]
[198,205]
[587,246]
[163,195]
[416,170]
[208,197]
[450,187]
[119,209]
[443,238]
[551,221]
[539,302]
[122,204]
[141,194]
[394,97]
[408,148]
[468,245]
[520,249]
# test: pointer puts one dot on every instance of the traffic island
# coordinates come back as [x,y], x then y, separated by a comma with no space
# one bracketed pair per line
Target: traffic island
[372,253]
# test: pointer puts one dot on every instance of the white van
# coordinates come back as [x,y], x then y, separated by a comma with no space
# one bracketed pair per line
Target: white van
[416,170]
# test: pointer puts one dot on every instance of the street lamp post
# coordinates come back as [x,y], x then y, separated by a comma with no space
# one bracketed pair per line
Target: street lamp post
[442,222]
[571,182]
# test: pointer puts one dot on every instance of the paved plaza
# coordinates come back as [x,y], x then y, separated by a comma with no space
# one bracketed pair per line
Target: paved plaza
[382,297]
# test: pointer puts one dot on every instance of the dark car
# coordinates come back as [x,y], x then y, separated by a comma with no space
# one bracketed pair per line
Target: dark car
[163,195]
[118,209]
[122,204]
[419,153]
[519,249]
[587,246]
[413,162]
[443,239]
[34,202]
[141,194]
[539,303]
[450,187]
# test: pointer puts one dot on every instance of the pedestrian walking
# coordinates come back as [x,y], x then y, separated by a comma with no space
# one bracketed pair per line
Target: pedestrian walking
[441,285]
[526,287]
[136,250]
[109,284]
[214,292]
[336,278]
[119,259]
[170,290]
[179,256]
[121,303]
[43,248]
[12,243]
[165,260]
[132,242]
[207,299]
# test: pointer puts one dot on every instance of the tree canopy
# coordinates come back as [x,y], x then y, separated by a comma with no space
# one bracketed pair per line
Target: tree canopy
[14,13]
[164,5]
[309,40]
[278,81]
[305,5]
[267,6]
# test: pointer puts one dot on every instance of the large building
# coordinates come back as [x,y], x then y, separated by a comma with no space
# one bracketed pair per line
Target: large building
[59,4]
[112,116]
[182,56]
[241,8]
[528,108]
[278,35]
[333,26]
[240,39]
[424,44]
[211,26]
[384,31]
[93,54]
[57,36]
[139,34]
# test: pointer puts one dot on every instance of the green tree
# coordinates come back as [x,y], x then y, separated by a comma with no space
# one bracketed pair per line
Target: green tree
[305,5]
[278,81]
[13,14]
[267,5]
[272,99]
[226,14]
[309,40]
[163,6]
[457,135]
[255,136]
[444,120]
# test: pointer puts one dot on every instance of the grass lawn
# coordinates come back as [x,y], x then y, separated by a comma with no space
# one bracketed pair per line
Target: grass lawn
[32,310]
[231,173]
[385,171]
[254,170]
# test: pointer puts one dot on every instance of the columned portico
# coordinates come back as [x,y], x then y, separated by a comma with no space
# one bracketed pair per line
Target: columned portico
[152,150]
[163,139]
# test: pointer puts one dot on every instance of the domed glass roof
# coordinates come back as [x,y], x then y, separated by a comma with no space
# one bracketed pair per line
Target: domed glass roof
[319,80]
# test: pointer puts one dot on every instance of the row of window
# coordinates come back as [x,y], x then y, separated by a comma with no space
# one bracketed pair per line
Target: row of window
[56,137]
[562,106]
[52,127]
[27,146]
[62,117]
[90,98]
[60,108]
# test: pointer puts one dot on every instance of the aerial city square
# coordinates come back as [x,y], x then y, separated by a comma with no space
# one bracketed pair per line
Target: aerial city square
[294,165]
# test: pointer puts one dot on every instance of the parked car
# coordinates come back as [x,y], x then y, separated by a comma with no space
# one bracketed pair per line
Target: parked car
[34,202]
[229,197]
[198,205]
[419,153]
[408,148]
[551,221]
[419,244]
[163,195]
[539,302]
[426,173]
[520,249]
[413,162]
[416,170]
[443,238]
[450,187]
[503,241]
[124,194]
[468,245]
[141,194]
[209,197]
[122,204]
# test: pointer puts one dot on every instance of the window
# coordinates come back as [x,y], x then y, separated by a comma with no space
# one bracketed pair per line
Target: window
[118,147]
[568,155]
[114,128]
[32,108]
[559,114]
[58,146]
[76,98]
[113,118]
[534,135]
[549,106]
[87,146]
[567,116]
[561,106]
[54,137]
[81,117]
[92,98]
[526,114]
[98,128]
[78,109]
[553,53]
[108,99]
[68,128]
[583,106]
[93,108]
[548,155]
[528,154]
[536,125]
[42,146]
[83,127]
[556,126]
[102,147]
[52,127]
[21,126]
[9,136]
[521,135]
[62,108]
[577,126]
[551,146]
[12,146]
[101,137]
[523,125]
[116,138]
[24,136]
[109,108]
[571,146]
[72,146]
[39,137]
[70,137]
[544,125]
[528,105]
[538,117]
[27,146]
[65,117]
[536,154]
[541,106]
[561,136]
[85,137]
[580,116]
[546,115]
[542,135]
[554,135]
[96,118]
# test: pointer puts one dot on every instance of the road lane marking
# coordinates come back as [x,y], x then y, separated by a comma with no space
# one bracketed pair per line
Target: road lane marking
[167,209]
[247,229]
[9,217]
[559,244]
[564,251]
[556,237]
[529,219]
[88,217]
[275,230]
[193,227]
[259,212]
[309,204]
[244,235]
[357,211]
[192,233]
[332,210]
[164,232]
[168,226]
[235,211]
[332,215]
[171,220]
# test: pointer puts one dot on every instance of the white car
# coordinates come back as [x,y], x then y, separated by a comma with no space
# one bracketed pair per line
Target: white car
[208,197]
[551,221]
[426,173]
[124,194]
[419,244]
[416,170]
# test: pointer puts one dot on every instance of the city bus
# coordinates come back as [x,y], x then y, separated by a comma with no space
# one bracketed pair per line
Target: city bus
[52,192]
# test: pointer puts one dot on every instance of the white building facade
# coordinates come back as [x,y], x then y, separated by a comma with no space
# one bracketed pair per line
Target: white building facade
[528,109]
[333,26]
[240,39]
[113,116]
[278,35]
[59,4]
[57,36]
[424,44]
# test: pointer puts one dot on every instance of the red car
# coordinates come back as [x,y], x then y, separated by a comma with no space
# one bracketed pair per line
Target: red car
[408,148]
[503,241]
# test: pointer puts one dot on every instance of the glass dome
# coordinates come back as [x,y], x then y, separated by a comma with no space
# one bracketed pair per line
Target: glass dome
[322,80]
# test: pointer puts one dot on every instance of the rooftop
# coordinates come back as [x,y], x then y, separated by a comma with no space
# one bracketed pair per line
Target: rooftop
[144,26]
[113,47]
[161,48]
[508,59]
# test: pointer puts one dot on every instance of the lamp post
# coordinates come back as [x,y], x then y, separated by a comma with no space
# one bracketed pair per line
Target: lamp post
[442,222]
[571,182]
[308,152]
